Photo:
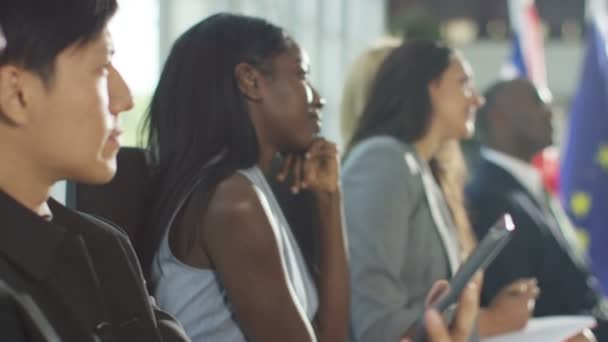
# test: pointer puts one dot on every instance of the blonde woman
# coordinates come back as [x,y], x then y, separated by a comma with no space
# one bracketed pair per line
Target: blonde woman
[358,83]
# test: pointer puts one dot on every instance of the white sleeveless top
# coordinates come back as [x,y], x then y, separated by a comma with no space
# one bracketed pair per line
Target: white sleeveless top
[196,298]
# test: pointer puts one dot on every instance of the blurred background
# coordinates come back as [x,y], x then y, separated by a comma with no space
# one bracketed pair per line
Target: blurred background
[334,32]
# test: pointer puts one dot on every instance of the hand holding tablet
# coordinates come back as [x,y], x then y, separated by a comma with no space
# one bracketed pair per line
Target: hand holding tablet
[485,252]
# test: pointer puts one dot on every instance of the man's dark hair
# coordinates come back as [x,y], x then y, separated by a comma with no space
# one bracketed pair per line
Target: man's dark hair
[37,31]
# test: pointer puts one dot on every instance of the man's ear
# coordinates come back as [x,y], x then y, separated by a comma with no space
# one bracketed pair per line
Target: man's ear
[249,81]
[13,87]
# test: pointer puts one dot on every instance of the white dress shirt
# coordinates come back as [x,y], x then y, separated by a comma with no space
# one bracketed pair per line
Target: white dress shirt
[529,177]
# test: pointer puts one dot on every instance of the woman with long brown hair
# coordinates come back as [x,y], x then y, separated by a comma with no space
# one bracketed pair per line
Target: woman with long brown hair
[406,222]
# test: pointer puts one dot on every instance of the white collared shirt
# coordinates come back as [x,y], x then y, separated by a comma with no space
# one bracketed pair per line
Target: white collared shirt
[529,177]
[45,212]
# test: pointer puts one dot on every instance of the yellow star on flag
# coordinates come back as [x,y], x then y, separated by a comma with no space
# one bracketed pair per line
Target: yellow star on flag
[583,238]
[580,204]
[602,156]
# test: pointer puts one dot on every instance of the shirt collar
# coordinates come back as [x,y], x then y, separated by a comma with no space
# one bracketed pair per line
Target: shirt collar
[529,177]
[46,213]
[26,238]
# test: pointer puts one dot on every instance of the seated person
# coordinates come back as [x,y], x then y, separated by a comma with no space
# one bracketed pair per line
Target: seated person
[513,125]
[403,189]
[60,98]
[233,94]
[21,319]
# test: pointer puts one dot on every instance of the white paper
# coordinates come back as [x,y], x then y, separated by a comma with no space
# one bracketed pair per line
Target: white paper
[549,329]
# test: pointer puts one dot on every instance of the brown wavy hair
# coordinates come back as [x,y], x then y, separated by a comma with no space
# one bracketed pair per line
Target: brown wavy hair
[399,106]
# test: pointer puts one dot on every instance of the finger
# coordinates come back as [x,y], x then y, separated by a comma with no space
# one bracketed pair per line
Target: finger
[531,304]
[437,291]
[297,175]
[478,279]
[468,307]
[435,327]
[323,148]
[532,294]
[307,173]
[284,169]
[517,287]
[535,291]
[332,147]
[329,146]
[310,163]
[325,154]
[314,148]
[527,289]
[589,335]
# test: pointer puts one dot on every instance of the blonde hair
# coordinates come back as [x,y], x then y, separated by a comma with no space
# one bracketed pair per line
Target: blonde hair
[452,176]
[359,80]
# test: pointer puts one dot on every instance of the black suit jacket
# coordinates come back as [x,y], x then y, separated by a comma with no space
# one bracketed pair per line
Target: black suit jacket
[536,250]
[21,319]
[83,275]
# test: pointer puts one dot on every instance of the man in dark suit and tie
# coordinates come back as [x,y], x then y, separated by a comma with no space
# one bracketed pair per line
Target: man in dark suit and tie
[514,125]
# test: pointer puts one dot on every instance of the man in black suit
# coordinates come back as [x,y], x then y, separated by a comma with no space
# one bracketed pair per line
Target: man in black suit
[60,98]
[22,320]
[513,125]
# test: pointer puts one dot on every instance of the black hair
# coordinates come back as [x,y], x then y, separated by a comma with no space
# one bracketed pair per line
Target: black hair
[199,129]
[36,31]
[399,103]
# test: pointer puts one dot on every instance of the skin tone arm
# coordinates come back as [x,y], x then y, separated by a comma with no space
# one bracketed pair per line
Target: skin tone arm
[318,171]
[244,250]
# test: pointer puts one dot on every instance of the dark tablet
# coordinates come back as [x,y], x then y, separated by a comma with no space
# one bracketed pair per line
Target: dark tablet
[488,248]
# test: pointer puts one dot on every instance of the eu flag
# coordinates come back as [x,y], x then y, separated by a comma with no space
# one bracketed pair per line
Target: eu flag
[584,169]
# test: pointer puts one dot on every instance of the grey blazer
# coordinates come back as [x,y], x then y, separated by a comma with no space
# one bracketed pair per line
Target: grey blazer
[401,237]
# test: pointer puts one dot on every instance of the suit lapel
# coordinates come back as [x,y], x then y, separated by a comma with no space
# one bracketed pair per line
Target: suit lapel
[540,212]
[445,227]
[74,281]
[130,315]
[55,259]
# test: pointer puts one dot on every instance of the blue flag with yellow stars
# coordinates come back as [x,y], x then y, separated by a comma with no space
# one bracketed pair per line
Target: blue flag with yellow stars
[584,168]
